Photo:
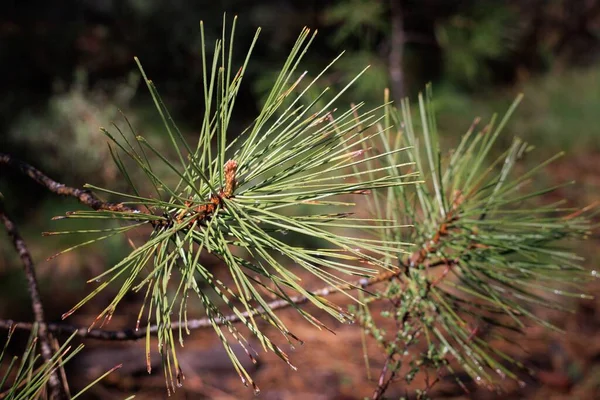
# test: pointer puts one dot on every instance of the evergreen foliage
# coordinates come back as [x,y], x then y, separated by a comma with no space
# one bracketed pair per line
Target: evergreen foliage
[283,174]
[488,250]
[25,379]
[485,251]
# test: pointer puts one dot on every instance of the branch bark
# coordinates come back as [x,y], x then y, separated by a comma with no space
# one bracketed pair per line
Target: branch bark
[193,324]
[84,196]
[56,389]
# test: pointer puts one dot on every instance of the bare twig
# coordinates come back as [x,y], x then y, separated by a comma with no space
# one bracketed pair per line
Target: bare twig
[383,383]
[56,390]
[84,196]
[192,324]
[390,364]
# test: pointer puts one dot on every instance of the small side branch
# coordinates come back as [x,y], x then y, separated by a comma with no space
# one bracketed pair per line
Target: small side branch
[201,323]
[56,390]
[84,196]
[384,381]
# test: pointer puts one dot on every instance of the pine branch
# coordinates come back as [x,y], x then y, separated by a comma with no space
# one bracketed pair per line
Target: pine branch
[500,257]
[201,323]
[90,200]
[288,165]
[84,196]
[56,389]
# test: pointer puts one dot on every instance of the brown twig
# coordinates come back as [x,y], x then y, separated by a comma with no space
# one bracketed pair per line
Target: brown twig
[84,196]
[131,334]
[383,383]
[56,390]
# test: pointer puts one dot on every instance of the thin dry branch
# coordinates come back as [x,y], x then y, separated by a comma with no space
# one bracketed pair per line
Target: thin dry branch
[56,389]
[383,382]
[193,324]
[84,196]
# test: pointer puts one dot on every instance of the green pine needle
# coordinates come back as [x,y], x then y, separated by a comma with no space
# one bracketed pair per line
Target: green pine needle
[484,258]
[290,171]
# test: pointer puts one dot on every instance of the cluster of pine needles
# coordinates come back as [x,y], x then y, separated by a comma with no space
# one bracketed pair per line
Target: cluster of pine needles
[462,237]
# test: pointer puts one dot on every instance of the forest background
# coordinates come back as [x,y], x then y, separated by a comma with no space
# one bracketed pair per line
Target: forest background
[69,69]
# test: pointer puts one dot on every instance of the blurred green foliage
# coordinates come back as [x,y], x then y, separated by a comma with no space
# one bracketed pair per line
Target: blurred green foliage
[559,112]
[470,45]
[471,41]
[67,120]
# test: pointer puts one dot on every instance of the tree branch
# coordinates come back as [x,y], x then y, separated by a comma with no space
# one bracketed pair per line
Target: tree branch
[56,389]
[396,50]
[382,382]
[193,324]
[84,196]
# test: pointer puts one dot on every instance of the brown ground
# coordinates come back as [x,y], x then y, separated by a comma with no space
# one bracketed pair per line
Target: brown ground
[332,366]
